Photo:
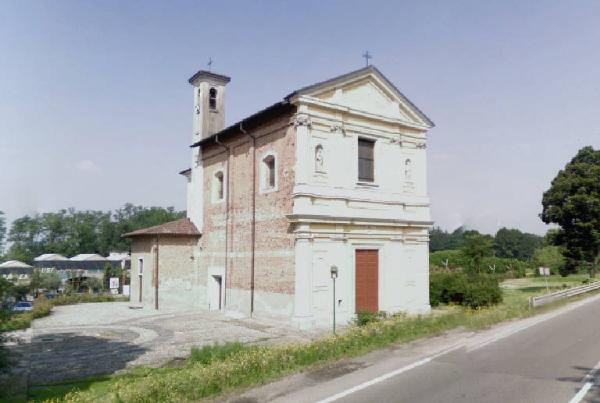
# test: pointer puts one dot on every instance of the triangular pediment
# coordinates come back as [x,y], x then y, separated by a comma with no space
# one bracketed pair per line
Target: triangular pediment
[367,91]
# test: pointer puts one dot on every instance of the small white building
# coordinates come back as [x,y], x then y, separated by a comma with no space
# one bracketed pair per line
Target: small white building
[16,271]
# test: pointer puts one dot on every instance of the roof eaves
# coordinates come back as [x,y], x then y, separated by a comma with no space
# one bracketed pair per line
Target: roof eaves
[356,73]
[247,123]
[391,84]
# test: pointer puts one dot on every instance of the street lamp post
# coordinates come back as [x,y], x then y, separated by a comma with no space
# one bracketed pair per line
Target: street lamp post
[334,274]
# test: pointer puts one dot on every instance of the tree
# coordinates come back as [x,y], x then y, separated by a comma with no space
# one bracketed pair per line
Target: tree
[443,240]
[45,281]
[514,244]
[110,271]
[70,232]
[573,202]
[475,247]
[2,231]
[551,257]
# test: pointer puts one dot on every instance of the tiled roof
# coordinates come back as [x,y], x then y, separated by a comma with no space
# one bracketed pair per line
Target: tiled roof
[284,106]
[182,227]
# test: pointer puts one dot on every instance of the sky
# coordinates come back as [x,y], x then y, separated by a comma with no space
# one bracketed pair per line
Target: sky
[96,111]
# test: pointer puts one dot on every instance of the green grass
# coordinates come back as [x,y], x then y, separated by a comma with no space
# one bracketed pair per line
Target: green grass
[96,385]
[214,369]
[208,354]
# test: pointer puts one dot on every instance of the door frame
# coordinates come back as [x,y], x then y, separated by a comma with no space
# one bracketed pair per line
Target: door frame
[378,246]
[216,272]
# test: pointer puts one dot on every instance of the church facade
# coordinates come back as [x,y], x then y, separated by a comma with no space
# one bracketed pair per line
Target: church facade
[334,175]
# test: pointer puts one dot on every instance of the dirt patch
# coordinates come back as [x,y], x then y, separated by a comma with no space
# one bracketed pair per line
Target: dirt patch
[334,371]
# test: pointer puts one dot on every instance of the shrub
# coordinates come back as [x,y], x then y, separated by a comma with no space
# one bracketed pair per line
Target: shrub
[41,308]
[365,317]
[482,291]
[451,258]
[67,299]
[473,291]
[548,256]
[445,288]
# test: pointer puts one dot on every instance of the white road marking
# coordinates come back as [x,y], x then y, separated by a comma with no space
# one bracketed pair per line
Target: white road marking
[504,334]
[582,392]
[589,380]
[512,329]
[389,375]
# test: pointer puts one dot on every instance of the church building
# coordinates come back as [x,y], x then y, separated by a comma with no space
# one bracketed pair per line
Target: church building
[333,177]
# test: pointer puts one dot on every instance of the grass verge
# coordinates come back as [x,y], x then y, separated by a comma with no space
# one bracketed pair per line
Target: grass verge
[212,370]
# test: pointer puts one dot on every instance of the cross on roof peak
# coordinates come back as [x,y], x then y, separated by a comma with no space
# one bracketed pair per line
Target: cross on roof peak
[367,56]
[210,62]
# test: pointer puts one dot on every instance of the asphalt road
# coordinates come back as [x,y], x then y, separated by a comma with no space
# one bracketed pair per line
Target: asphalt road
[547,358]
[544,363]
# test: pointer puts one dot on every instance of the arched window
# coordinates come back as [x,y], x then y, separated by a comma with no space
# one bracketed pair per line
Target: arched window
[269,174]
[219,186]
[212,99]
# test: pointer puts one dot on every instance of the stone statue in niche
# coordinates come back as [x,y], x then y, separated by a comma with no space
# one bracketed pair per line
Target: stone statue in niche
[319,159]
[408,170]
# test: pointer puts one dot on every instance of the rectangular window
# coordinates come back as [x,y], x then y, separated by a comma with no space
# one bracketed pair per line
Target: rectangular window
[140,266]
[366,163]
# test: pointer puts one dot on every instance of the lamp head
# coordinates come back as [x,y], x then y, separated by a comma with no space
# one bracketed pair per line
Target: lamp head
[334,271]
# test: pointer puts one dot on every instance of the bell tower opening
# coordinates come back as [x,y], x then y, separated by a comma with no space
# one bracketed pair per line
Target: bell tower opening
[209,103]
[212,99]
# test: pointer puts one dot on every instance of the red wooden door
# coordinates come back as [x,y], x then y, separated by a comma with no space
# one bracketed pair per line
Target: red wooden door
[367,280]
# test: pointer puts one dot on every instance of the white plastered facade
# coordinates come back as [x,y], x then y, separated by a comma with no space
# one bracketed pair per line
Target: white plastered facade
[335,214]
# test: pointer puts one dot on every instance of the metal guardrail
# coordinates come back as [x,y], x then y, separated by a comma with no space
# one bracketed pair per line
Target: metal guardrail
[555,296]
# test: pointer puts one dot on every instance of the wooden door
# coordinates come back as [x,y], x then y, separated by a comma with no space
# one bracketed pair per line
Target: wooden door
[367,280]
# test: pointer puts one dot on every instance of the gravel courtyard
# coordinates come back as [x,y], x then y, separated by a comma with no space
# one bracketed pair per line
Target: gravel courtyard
[82,340]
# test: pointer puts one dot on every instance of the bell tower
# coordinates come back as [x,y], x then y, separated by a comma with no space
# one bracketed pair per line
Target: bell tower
[209,118]
[209,105]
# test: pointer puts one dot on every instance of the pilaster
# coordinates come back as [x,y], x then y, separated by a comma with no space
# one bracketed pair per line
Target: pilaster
[303,314]
[302,124]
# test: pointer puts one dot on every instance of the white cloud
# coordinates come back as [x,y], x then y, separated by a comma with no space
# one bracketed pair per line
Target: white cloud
[87,166]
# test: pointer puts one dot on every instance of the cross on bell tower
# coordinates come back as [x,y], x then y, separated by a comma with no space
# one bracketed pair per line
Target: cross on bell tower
[210,62]
[367,56]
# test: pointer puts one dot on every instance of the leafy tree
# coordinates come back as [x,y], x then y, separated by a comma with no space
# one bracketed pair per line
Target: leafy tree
[70,232]
[573,202]
[443,240]
[446,259]
[475,247]
[45,281]
[6,291]
[550,237]
[514,244]
[110,271]
[92,283]
[551,257]
[2,231]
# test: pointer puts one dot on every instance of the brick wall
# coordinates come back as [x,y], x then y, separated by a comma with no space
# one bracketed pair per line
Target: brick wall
[179,280]
[274,259]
